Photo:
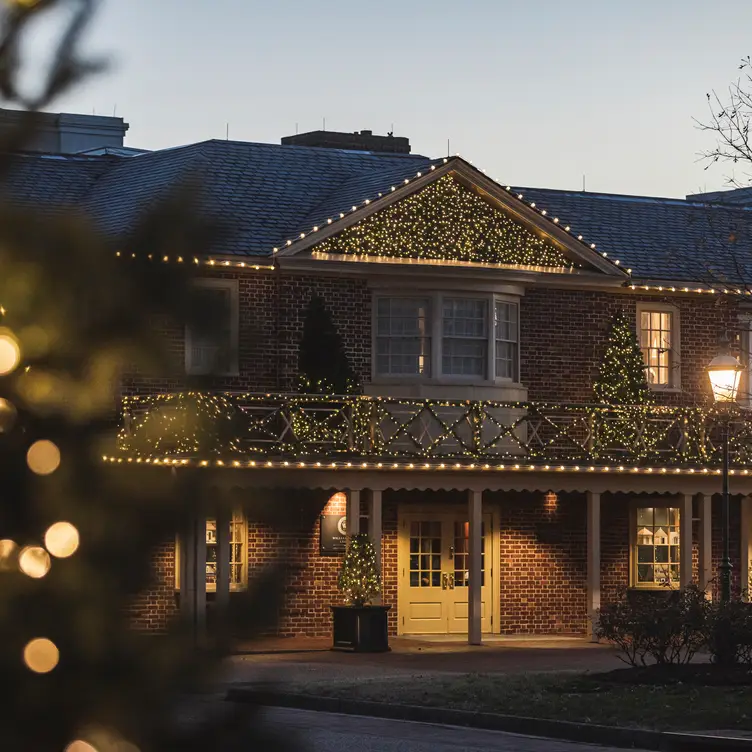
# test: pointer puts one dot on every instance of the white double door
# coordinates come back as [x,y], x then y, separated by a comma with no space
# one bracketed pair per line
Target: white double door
[433,563]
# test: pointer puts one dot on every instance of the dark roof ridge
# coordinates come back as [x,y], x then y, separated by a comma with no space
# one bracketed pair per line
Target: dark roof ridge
[631,197]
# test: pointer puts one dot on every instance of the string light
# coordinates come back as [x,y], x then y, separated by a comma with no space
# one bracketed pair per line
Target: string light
[41,655]
[10,352]
[445,219]
[43,457]
[34,562]
[61,539]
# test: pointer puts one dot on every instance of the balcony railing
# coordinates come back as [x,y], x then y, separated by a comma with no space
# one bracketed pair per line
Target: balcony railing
[319,427]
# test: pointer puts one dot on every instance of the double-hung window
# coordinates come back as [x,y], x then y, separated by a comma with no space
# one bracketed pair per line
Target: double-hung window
[464,346]
[659,345]
[403,337]
[655,555]
[447,337]
[211,332]
[506,340]
[238,561]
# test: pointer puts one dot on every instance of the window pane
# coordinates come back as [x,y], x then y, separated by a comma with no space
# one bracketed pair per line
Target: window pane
[403,344]
[505,323]
[656,343]
[465,342]
[657,545]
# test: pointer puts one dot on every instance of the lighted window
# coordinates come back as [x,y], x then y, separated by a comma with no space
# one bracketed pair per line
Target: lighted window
[658,346]
[403,337]
[465,337]
[238,561]
[656,547]
[507,348]
[211,333]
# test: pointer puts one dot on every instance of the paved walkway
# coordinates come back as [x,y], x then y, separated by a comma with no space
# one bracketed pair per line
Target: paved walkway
[304,660]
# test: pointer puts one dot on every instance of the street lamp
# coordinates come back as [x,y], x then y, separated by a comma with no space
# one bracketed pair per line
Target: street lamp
[725,372]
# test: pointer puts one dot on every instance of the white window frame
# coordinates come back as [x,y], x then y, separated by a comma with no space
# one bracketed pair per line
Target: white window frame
[431,313]
[235,587]
[633,562]
[234,370]
[436,375]
[674,370]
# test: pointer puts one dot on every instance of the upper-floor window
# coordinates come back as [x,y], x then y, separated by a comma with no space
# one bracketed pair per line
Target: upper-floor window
[211,333]
[658,331]
[403,337]
[447,336]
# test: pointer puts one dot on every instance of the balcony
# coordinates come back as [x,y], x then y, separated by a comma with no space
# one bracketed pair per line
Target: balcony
[317,428]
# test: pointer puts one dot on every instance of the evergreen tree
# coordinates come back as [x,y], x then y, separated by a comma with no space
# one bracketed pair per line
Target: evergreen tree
[621,380]
[322,361]
[359,579]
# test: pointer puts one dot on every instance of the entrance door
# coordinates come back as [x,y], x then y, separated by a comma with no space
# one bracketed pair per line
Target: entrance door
[434,573]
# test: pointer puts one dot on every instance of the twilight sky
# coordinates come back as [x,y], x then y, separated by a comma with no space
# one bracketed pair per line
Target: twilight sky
[537,93]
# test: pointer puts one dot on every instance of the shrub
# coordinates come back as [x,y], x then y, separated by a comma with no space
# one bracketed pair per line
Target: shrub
[667,627]
[729,633]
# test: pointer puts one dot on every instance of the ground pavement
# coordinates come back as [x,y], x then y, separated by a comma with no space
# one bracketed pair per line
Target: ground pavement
[310,660]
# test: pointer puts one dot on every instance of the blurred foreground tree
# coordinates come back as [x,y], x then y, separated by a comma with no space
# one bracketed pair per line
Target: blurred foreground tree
[76,536]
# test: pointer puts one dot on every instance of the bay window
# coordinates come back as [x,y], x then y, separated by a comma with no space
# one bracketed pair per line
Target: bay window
[441,338]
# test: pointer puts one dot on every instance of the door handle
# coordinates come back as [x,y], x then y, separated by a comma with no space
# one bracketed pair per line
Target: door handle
[450,579]
[444,581]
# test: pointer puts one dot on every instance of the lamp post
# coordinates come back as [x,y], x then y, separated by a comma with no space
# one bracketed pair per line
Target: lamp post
[724,372]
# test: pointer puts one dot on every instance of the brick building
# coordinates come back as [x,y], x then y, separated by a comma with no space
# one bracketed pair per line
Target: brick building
[476,317]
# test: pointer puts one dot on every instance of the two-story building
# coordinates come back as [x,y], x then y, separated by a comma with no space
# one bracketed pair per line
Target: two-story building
[501,497]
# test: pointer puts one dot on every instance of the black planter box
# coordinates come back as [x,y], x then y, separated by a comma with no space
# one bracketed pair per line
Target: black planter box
[362,629]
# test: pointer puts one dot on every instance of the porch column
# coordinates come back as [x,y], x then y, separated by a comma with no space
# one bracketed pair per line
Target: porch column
[224,520]
[192,542]
[593,559]
[374,523]
[685,540]
[200,569]
[475,515]
[746,545]
[705,563]
[375,532]
[353,512]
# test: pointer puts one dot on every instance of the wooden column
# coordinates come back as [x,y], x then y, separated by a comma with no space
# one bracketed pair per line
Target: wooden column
[685,540]
[224,520]
[375,531]
[746,545]
[200,569]
[375,523]
[353,512]
[187,546]
[593,559]
[705,563]
[474,606]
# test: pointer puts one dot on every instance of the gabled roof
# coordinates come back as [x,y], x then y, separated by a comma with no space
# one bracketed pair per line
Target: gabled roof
[658,238]
[268,194]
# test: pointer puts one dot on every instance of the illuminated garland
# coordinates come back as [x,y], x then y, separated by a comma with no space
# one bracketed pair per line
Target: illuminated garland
[445,220]
[316,430]
[191,423]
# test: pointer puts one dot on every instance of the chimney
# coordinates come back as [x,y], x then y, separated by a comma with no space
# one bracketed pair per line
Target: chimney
[65,133]
[357,141]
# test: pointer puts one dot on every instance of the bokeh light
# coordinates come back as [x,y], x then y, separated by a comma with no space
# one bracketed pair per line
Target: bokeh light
[43,457]
[10,352]
[34,561]
[8,415]
[41,655]
[8,555]
[80,746]
[61,539]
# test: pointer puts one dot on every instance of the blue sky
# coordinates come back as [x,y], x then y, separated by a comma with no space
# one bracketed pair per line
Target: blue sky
[536,93]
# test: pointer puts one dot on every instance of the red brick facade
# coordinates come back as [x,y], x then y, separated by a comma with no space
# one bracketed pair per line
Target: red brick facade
[542,538]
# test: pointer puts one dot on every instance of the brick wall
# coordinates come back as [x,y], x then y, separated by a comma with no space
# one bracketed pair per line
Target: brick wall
[563,334]
[542,583]
[153,609]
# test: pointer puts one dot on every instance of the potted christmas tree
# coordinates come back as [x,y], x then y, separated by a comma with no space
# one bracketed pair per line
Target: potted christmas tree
[360,626]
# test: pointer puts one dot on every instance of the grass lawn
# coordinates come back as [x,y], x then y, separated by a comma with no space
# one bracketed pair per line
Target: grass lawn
[590,699]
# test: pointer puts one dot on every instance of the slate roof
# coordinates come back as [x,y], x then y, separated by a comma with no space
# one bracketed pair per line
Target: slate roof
[265,194]
[658,238]
[262,194]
